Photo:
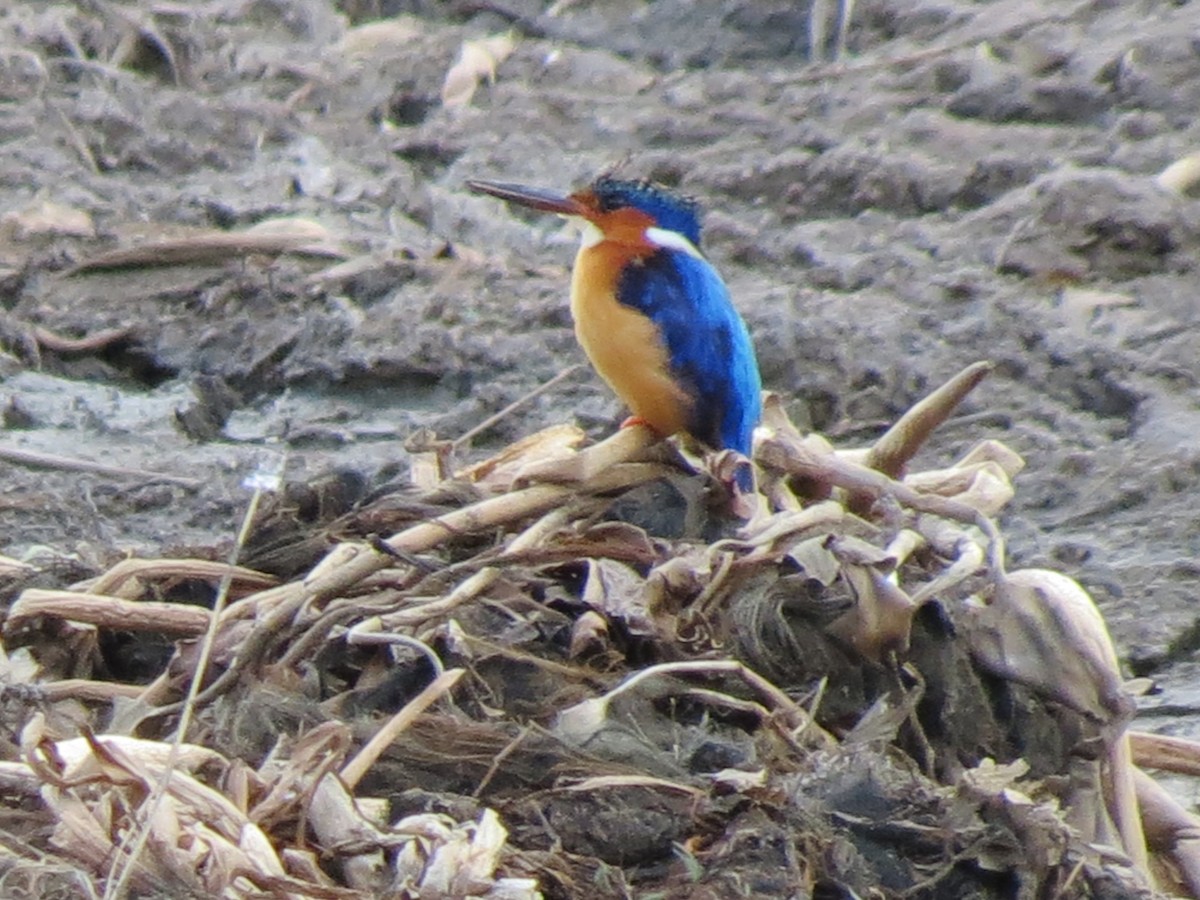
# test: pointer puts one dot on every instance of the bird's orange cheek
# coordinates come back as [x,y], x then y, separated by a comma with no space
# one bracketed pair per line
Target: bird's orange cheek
[624,227]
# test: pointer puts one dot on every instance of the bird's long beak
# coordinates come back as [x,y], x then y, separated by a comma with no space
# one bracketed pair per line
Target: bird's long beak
[534,198]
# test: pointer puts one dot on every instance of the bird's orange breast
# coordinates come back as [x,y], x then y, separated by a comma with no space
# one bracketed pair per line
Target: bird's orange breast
[624,345]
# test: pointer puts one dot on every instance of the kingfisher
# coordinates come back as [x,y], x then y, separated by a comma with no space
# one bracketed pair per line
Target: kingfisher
[651,312]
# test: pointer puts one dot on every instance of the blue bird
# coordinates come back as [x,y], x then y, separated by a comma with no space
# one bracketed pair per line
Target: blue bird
[651,312]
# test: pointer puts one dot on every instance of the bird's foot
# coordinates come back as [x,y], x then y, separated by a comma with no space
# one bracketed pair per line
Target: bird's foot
[634,421]
[736,473]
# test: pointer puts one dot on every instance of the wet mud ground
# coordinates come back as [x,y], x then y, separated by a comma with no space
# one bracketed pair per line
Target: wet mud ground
[971,181]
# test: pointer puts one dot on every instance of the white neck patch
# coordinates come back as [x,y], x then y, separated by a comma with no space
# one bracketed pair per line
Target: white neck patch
[673,240]
[590,236]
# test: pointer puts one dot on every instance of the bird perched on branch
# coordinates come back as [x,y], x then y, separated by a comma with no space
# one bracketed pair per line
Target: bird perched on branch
[652,313]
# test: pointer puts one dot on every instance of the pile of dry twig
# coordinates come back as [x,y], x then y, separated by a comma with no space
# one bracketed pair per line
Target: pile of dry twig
[569,671]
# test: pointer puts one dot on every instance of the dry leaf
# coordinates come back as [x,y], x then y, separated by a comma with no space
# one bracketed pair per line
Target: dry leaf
[589,634]
[881,617]
[48,219]
[465,863]
[1181,175]
[618,592]
[476,60]
[1042,629]
[501,470]
[374,38]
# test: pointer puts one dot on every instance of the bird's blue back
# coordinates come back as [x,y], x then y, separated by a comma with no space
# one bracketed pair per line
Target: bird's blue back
[708,347]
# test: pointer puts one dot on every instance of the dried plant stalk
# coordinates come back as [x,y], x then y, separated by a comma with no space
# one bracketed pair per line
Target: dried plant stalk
[115,581]
[900,443]
[357,767]
[600,464]
[175,619]
[88,691]
[39,460]
[1171,829]
[1166,752]
[798,457]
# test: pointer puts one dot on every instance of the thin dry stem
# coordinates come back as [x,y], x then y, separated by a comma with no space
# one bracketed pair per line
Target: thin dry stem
[602,782]
[794,715]
[797,458]
[37,460]
[601,462]
[528,398]
[125,864]
[97,340]
[204,249]
[464,593]
[357,767]
[88,691]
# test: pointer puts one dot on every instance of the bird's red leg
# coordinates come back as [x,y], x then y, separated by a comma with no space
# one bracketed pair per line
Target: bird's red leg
[634,421]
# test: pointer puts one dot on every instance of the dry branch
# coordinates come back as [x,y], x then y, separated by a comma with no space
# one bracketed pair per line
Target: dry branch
[95,341]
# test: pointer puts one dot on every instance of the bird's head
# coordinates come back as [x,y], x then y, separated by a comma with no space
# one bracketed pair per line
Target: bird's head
[636,213]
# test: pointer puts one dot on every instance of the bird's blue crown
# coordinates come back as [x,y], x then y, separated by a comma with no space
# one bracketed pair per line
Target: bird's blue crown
[670,211]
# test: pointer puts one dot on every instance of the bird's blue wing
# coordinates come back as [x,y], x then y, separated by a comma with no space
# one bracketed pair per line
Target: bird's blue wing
[708,347]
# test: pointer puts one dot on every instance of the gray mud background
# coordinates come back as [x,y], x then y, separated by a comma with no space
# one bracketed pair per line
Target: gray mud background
[972,181]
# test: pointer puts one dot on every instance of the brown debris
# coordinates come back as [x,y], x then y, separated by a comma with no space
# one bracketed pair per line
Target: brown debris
[547,691]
